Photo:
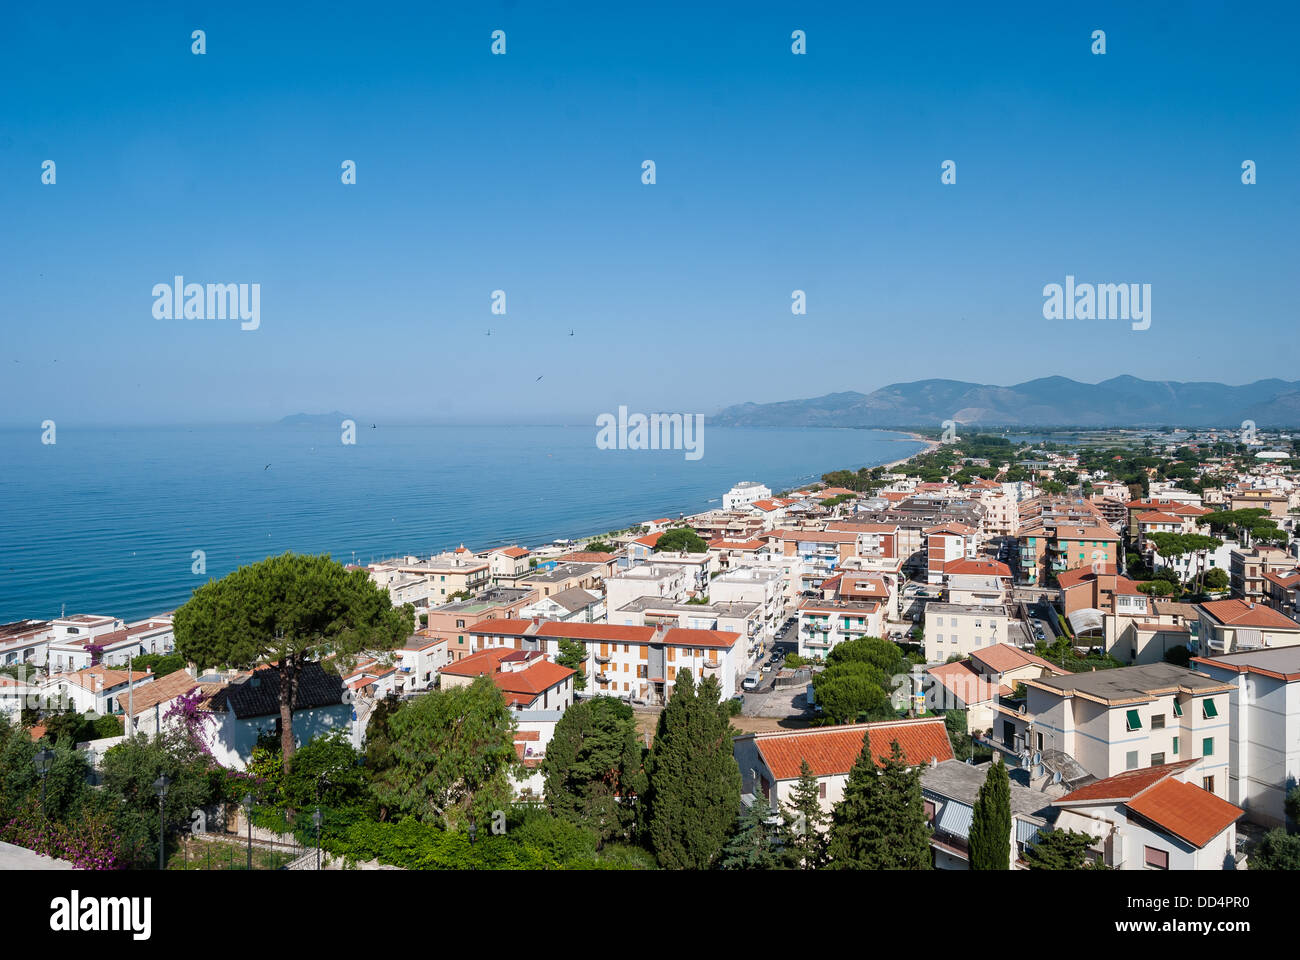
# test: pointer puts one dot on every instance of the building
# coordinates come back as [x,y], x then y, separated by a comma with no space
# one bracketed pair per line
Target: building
[959,629]
[1230,625]
[1264,725]
[665,582]
[824,624]
[1248,567]
[98,689]
[528,679]
[1154,818]
[949,790]
[640,664]
[506,565]
[420,658]
[1110,721]
[577,604]
[448,622]
[248,707]
[759,585]
[743,494]
[770,763]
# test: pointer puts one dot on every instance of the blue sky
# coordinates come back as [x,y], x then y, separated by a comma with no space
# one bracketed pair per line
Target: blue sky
[522,172]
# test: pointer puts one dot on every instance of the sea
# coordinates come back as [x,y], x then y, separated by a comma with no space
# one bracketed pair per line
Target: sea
[116,521]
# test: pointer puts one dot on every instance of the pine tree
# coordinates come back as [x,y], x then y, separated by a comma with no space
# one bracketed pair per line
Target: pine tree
[1059,850]
[806,807]
[990,830]
[694,783]
[880,824]
[757,844]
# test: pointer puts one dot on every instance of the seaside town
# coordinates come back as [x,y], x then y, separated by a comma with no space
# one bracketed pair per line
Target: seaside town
[1002,653]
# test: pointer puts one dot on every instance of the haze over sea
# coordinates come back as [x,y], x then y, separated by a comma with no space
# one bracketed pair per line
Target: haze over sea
[106,520]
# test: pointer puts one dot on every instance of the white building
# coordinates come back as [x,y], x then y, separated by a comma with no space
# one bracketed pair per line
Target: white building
[1263,727]
[743,494]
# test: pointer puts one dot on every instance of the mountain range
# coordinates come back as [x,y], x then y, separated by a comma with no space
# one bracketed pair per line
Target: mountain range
[1049,401]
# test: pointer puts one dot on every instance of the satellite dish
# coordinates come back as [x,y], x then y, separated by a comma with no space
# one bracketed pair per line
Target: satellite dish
[1022,708]
[1056,776]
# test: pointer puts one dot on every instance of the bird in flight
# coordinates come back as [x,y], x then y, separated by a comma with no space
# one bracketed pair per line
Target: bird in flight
[539,378]
[570,331]
[267,467]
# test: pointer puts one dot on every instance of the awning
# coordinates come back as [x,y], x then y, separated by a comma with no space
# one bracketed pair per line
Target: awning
[1027,831]
[1069,820]
[955,820]
[1082,621]
[1249,639]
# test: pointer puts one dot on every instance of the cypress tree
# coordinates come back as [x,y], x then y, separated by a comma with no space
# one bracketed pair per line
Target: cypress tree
[694,783]
[880,824]
[757,844]
[805,805]
[990,830]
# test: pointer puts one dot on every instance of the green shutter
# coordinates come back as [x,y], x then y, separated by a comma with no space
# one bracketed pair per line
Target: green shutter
[1175,746]
[1178,709]
[1208,708]
[1134,721]
[1207,747]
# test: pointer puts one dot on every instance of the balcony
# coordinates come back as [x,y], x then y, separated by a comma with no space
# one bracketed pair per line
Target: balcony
[602,658]
[712,664]
[603,678]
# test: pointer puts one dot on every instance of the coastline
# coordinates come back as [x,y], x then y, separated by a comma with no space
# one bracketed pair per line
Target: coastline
[930,446]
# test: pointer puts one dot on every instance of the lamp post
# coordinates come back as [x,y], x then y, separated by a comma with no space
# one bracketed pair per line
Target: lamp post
[473,831]
[316,819]
[160,791]
[43,759]
[248,817]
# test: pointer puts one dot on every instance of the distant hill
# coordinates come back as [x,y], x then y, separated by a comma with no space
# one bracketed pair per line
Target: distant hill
[1050,401]
[297,419]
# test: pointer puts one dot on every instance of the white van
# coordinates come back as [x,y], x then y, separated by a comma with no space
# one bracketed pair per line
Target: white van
[751,681]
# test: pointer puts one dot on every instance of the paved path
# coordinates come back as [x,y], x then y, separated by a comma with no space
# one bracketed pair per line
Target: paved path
[20,858]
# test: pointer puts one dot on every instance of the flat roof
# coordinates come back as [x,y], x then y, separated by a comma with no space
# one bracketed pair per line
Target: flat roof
[1130,684]
[961,781]
[1284,661]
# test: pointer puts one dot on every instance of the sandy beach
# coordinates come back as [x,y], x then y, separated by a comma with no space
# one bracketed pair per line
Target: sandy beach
[929,445]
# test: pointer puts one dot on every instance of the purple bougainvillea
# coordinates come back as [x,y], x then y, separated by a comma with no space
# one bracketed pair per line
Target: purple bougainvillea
[88,844]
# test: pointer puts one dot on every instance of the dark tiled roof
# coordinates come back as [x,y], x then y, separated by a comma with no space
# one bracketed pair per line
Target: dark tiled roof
[259,694]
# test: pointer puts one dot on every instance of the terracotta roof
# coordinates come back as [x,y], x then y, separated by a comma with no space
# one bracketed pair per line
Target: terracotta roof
[514,552]
[991,568]
[649,540]
[681,637]
[1186,811]
[832,751]
[160,691]
[1124,786]
[1239,613]
[1001,657]
[965,683]
[586,556]
[1159,518]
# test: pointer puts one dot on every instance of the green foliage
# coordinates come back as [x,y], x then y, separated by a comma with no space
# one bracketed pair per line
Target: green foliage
[963,745]
[450,756]
[601,546]
[1278,850]
[573,654]
[1216,579]
[990,831]
[880,823]
[161,663]
[326,772]
[805,807]
[1058,850]
[288,609]
[1293,805]
[593,768]
[859,679]
[693,792]
[757,844]
[679,540]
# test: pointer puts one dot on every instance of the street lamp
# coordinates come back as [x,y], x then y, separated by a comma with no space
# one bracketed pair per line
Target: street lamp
[248,817]
[43,759]
[160,791]
[316,819]
[473,831]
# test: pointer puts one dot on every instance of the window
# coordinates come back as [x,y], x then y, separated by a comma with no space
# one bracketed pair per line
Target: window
[821,789]
[1208,710]
[1158,721]
[1040,741]
[1134,722]
[1178,709]
[1157,759]
[1207,784]
[1207,747]
[1156,859]
[929,811]
[1131,760]
[1175,746]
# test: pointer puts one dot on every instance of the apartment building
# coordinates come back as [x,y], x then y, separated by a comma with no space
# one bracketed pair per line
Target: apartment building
[949,791]
[1282,588]
[946,543]
[743,494]
[1227,626]
[449,622]
[1110,721]
[1154,818]
[1247,568]
[25,641]
[506,565]
[1264,725]
[731,554]
[98,689]
[529,679]
[666,582]
[824,624]
[770,763]
[757,585]
[420,659]
[636,663]
[576,604]
[961,629]
[549,579]
[446,575]
[980,581]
